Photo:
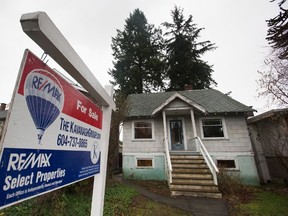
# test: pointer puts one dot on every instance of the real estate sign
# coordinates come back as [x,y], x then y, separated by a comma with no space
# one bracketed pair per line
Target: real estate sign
[52,136]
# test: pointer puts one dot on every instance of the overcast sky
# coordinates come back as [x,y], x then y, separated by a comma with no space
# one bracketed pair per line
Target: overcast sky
[237,27]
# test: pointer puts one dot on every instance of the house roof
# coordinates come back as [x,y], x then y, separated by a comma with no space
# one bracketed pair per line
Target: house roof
[268,114]
[210,100]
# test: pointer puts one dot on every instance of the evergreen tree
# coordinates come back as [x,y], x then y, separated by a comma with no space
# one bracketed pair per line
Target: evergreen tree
[137,51]
[277,34]
[274,78]
[184,66]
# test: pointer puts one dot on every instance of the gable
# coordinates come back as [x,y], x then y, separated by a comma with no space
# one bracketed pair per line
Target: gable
[182,100]
[210,101]
[177,103]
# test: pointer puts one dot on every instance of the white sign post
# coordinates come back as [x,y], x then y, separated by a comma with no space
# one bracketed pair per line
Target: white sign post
[45,156]
[100,180]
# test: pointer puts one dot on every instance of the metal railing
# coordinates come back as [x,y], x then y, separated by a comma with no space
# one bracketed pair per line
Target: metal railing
[212,166]
[168,161]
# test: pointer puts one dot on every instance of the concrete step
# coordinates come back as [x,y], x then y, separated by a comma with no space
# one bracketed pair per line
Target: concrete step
[186,156]
[197,188]
[187,161]
[189,170]
[193,181]
[189,165]
[190,153]
[196,194]
[191,176]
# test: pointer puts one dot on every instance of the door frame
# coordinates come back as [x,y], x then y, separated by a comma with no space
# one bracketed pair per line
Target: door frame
[182,119]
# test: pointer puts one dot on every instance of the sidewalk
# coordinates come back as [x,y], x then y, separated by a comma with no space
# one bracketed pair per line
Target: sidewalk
[198,206]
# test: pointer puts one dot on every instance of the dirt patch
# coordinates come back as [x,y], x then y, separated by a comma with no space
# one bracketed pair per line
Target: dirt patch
[160,187]
[145,207]
[279,189]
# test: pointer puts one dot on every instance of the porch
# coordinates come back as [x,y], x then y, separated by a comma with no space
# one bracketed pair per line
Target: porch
[190,170]
[192,173]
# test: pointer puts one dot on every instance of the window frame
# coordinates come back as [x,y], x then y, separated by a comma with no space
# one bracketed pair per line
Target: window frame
[225,134]
[144,158]
[225,159]
[140,139]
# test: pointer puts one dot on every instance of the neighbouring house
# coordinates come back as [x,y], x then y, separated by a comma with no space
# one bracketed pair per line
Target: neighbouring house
[184,137]
[3,114]
[269,135]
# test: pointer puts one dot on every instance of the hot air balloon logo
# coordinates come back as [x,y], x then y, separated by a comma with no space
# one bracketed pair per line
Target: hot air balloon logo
[44,98]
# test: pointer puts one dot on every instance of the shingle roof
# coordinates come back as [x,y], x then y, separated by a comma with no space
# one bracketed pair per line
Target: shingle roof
[268,114]
[212,100]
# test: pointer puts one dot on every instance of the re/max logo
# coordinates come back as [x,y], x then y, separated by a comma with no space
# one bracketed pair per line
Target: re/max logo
[46,86]
[23,161]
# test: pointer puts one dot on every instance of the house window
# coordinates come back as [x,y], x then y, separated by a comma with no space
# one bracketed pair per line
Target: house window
[226,164]
[144,163]
[143,130]
[212,128]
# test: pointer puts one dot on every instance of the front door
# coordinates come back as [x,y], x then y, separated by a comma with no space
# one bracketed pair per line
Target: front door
[176,135]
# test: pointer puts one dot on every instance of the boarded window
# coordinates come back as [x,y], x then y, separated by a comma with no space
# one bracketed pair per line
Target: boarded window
[142,130]
[144,163]
[226,164]
[212,128]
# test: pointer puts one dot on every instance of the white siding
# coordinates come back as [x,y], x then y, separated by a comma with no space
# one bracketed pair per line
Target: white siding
[135,146]
[238,137]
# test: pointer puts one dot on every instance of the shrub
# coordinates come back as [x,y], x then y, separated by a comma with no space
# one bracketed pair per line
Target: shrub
[230,186]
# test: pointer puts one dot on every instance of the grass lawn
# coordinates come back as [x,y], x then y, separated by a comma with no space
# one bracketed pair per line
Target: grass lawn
[124,200]
[120,199]
[66,204]
[265,201]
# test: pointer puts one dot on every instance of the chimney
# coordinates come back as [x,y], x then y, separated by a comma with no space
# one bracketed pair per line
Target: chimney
[2,106]
[188,87]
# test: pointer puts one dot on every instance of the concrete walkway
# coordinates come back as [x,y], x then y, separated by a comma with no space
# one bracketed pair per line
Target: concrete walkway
[198,206]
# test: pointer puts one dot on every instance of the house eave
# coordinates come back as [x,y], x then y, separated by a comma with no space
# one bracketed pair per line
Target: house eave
[181,97]
[138,117]
[228,113]
[267,114]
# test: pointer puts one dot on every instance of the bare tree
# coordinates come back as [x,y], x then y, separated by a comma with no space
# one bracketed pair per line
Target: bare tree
[280,141]
[273,83]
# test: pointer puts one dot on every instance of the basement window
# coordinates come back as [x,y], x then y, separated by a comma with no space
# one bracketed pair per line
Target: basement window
[144,162]
[226,164]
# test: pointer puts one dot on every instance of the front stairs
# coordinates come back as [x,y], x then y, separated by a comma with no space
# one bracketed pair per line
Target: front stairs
[192,177]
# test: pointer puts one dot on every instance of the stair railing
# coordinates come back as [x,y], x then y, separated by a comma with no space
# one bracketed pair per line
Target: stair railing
[212,166]
[168,161]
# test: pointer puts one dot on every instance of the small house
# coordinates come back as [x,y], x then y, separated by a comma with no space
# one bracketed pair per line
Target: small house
[184,137]
[269,135]
[3,115]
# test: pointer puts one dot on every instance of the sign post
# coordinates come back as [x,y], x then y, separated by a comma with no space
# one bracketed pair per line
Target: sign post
[100,180]
[54,135]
